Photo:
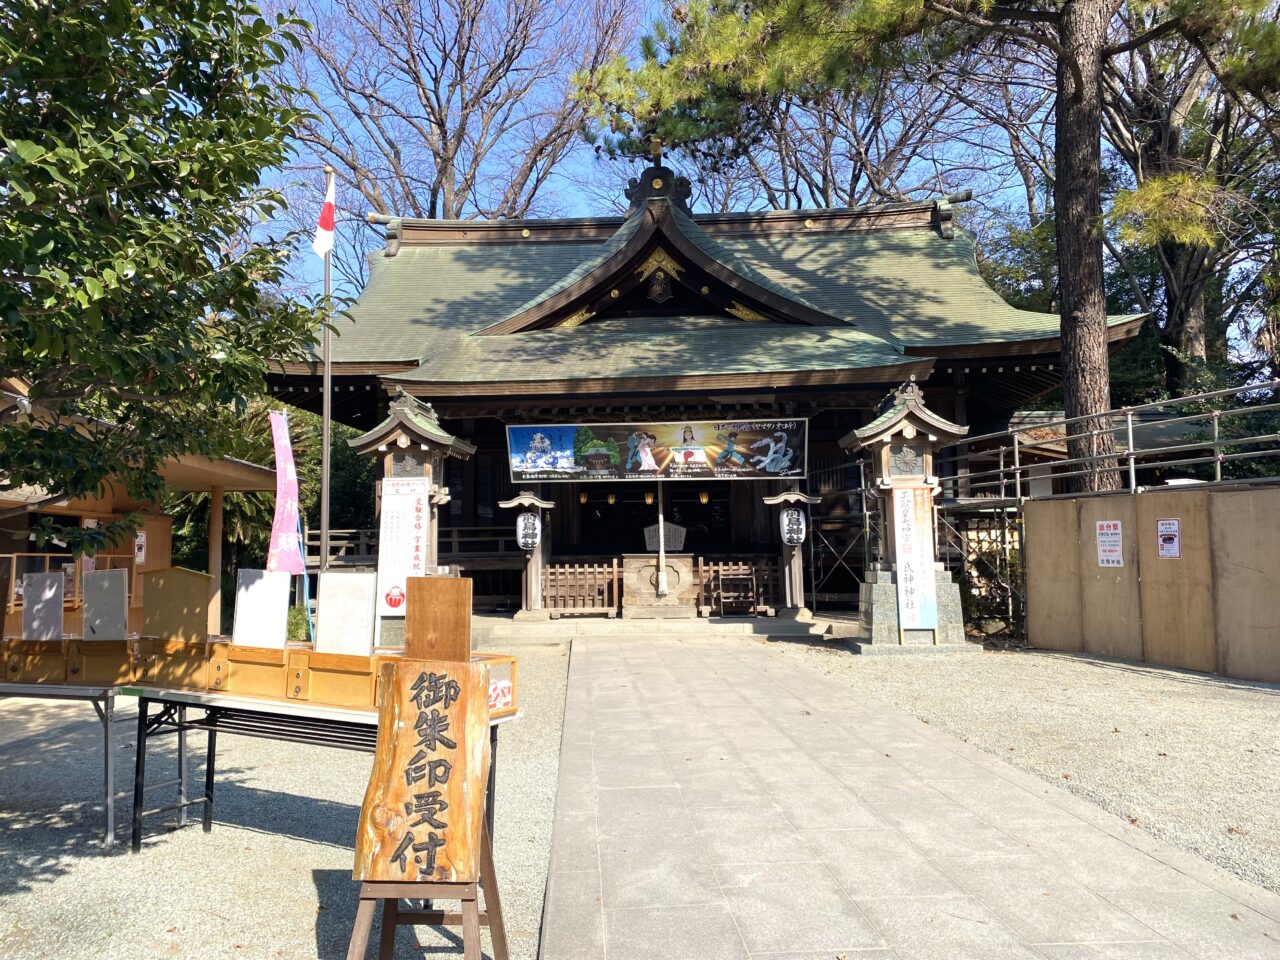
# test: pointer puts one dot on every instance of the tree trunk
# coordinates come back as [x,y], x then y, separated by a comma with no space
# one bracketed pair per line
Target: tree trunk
[1077,191]
[1186,327]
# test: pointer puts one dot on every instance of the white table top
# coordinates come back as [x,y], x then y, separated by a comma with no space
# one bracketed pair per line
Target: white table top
[288,708]
[57,691]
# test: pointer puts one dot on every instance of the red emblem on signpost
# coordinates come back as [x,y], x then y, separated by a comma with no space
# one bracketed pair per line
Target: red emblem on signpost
[394,597]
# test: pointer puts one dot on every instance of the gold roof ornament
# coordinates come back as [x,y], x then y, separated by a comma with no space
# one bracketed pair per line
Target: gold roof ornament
[659,260]
[577,319]
[744,313]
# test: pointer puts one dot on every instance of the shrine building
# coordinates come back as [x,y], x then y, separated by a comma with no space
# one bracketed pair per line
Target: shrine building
[665,317]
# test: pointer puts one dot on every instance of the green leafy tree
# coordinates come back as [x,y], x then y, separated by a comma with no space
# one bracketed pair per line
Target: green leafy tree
[136,270]
[709,74]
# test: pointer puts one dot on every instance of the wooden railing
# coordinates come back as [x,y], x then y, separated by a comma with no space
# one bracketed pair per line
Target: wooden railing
[590,587]
[763,573]
[360,547]
[13,566]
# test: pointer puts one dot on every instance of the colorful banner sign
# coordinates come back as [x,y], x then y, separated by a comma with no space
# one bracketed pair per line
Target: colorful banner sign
[913,554]
[285,552]
[740,449]
[402,541]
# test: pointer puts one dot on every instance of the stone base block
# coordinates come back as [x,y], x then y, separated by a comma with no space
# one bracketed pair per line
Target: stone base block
[683,612]
[531,615]
[878,601]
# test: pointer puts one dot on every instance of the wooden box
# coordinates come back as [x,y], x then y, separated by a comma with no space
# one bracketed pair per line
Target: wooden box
[341,679]
[102,662]
[35,661]
[503,692]
[251,671]
[175,604]
[173,663]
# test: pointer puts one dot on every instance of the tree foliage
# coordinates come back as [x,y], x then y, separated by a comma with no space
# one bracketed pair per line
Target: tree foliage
[713,73]
[136,267]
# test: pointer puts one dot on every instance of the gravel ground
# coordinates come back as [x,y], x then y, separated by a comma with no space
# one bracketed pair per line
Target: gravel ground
[273,880]
[1194,759]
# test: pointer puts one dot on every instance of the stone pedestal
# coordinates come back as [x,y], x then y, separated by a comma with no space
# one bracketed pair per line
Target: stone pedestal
[640,598]
[878,602]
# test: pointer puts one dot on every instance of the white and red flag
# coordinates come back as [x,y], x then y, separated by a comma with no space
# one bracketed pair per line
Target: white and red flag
[323,242]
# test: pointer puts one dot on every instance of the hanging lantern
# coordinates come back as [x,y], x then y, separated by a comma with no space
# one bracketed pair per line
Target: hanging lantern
[582,497]
[793,525]
[704,497]
[528,530]
[612,498]
[648,498]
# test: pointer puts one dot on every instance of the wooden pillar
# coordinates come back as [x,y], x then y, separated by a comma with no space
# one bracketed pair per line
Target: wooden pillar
[215,561]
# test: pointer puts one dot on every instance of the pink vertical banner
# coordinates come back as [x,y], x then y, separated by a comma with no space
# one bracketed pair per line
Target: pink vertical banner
[285,552]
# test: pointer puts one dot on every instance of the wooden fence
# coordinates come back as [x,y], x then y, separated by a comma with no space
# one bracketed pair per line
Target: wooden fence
[587,587]
[716,575]
[1206,599]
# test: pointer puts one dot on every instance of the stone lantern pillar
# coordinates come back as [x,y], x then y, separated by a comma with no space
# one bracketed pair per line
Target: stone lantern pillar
[532,535]
[793,519]
[914,602]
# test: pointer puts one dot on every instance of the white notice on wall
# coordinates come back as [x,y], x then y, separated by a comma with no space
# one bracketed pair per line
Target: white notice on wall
[403,532]
[1110,543]
[1169,539]
[140,547]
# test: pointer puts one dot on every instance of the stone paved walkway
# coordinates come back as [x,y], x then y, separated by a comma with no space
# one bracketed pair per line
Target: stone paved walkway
[719,801]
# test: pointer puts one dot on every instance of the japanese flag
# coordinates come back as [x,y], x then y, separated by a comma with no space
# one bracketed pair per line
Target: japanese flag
[323,242]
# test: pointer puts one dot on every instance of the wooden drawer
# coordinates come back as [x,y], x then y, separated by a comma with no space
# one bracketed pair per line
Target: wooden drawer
[35,661]
[173,663]
[341,680]
[255,671]
[102,662]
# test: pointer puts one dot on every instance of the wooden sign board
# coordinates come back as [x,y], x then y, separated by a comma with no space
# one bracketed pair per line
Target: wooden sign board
[423,813]
[438,619]
[346,612]
[175,604]
[262,609]
[106,604]
[42,606]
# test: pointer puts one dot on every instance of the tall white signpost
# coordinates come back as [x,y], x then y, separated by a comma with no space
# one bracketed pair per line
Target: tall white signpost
[403,540]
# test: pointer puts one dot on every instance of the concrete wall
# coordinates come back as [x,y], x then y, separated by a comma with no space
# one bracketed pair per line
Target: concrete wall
[1214,608]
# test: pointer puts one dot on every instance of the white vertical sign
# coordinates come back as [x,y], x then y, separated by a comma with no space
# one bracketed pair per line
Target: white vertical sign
[402,541]
[1110,535]
[913,555]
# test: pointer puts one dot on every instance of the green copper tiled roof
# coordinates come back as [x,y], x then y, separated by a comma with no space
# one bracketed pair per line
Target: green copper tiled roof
[724,254]
[653,347]
[900,288]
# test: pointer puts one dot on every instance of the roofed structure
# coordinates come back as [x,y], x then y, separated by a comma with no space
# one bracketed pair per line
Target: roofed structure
[665,298]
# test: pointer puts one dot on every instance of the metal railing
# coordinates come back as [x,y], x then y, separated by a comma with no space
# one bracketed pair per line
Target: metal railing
[1211,436]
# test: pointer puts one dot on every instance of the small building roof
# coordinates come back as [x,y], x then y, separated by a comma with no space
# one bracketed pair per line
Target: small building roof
[416,422]
[904,405]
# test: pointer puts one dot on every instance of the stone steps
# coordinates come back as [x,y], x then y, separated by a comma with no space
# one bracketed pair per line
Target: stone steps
[566,628]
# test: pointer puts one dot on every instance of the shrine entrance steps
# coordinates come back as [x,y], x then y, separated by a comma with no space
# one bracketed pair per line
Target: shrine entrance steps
[496,630]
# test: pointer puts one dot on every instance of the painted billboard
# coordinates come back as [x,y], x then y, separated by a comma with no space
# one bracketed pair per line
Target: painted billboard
[745,449]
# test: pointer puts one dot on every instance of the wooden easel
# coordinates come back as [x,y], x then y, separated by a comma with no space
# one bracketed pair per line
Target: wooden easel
[471,918]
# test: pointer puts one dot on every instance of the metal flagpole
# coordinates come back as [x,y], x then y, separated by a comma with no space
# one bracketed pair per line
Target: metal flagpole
[662,547]
[326,412]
